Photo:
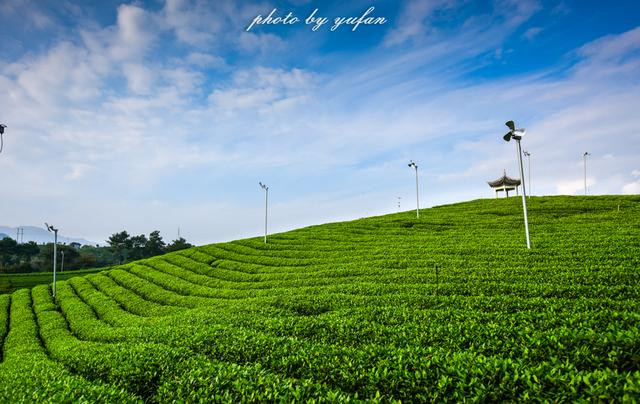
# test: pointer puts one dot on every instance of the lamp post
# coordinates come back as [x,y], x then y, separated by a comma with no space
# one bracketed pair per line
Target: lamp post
[415,166]
[62,266]
[266,204]
[2,126]
[517,134]
[55,254]
[526,153]
[584,159]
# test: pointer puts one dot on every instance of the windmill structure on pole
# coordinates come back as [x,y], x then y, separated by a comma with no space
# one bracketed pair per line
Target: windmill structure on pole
[584,160]
[415,166]
[517,134]
[266,204]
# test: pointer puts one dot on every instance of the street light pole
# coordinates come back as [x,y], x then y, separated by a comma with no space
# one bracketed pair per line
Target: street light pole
[2,126]
[55,255]
[266,205]
[62,266]
[415,166]
[526,153]
[584,159]
[517,134]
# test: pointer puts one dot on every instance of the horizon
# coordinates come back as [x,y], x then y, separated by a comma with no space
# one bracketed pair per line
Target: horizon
[150,115]
[410,211]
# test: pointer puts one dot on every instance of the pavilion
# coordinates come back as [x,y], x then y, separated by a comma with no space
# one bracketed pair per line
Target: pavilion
[505,184]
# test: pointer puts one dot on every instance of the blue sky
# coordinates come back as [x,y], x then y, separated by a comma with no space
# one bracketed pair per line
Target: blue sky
[153,115]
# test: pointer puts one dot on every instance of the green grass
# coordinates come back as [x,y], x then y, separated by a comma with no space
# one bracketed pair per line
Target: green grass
[448,307]
[12,282]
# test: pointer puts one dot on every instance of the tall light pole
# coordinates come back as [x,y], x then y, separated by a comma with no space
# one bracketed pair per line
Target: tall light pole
[266,204]
[2,126]
[584,159]
[55,254]
[62,266]
[414,165]
[517,134]
[526,153]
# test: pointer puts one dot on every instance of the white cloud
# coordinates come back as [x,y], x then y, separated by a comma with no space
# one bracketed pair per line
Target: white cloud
[262,89]
[631,188]
[205,60]
[531,33]
[193,23]
[573,187]
[140,78]
[412,22]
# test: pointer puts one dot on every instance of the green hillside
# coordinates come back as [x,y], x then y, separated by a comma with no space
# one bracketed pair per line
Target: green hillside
[447,307]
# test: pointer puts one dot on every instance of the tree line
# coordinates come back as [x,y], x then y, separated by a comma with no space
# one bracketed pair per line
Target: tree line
[122,247]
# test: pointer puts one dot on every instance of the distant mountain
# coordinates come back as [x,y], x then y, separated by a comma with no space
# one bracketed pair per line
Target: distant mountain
[40,235]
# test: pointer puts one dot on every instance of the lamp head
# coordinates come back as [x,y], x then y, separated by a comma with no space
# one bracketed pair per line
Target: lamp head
[513,132]
[2,126]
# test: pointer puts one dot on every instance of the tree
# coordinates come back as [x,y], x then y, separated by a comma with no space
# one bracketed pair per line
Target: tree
[8,251]
[120,244]
[155,244]
[138,247]
[177,245]
[26,251]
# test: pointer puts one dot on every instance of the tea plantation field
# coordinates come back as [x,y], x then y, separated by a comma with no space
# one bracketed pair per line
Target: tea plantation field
[12,282]
[448,307]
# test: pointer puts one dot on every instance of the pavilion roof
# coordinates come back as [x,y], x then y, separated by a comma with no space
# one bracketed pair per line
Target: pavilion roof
[504,181]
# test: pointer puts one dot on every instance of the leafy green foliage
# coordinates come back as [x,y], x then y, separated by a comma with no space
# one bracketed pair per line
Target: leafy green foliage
[352,311]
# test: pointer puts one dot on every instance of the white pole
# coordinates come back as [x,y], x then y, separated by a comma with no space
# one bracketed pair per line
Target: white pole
[529,158]
[584,159]
[417,195]
[266,204]
[55,256]
[62,266]
[524,192]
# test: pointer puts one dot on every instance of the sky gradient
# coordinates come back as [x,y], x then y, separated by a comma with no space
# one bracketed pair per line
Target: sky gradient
[158,115]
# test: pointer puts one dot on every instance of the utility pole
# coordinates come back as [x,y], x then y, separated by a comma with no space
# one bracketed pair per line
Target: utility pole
[2,127]
[584,159]
[517,134]
[526,153]
[266,205]
[55,255]
[414,165]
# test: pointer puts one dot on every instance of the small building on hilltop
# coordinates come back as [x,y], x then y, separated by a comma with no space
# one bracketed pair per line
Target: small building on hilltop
[504,184]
